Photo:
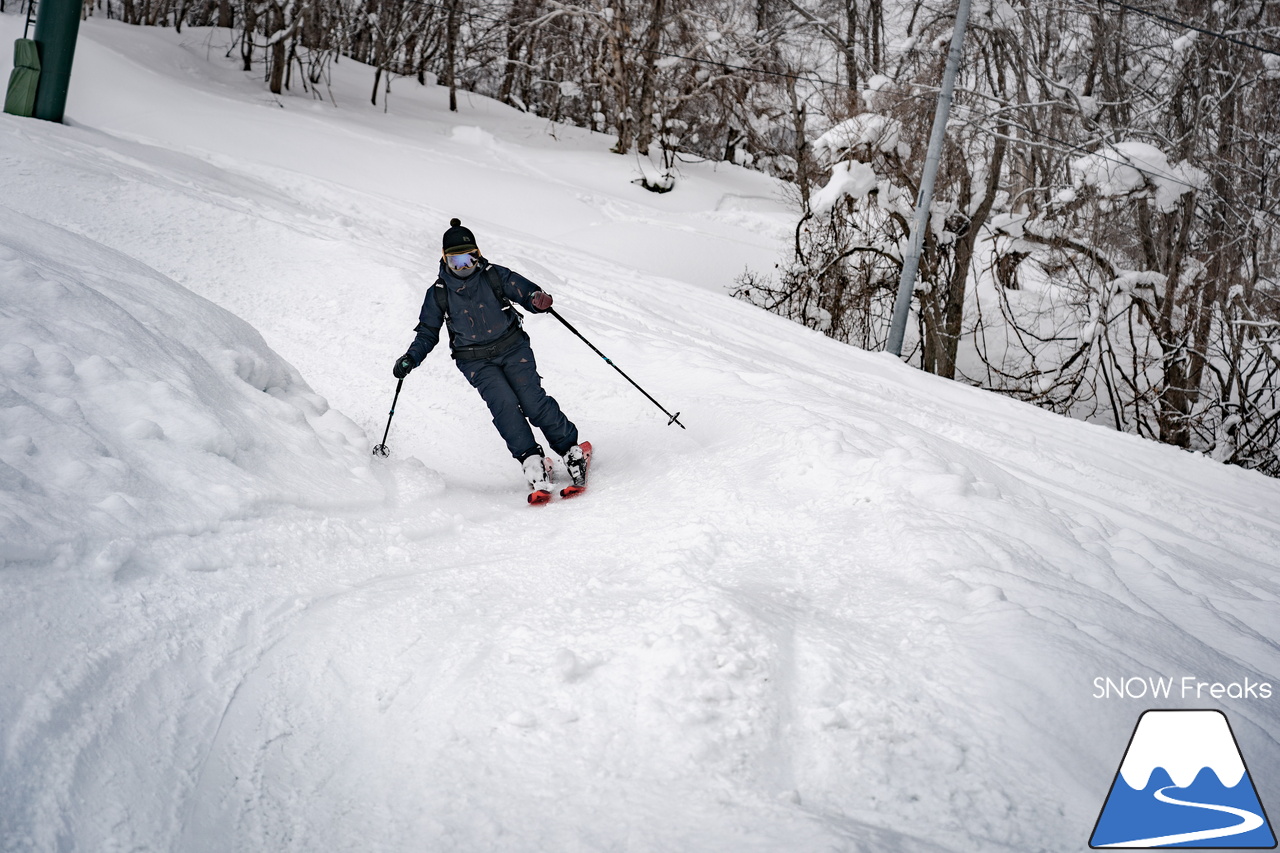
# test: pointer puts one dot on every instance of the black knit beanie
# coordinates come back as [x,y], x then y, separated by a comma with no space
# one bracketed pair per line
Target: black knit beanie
[458,239]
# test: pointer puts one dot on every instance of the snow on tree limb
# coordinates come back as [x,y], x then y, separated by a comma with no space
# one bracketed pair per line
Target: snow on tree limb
[1137,170]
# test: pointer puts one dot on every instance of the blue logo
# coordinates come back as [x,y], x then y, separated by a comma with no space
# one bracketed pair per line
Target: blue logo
[1183,783]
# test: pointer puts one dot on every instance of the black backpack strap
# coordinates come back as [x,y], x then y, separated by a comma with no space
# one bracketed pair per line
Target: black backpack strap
[442,298]
[496,285]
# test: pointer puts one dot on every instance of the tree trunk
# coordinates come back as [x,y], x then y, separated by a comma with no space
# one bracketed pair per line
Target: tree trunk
[618,78]
[801,148]
[850,57]
[451,54]
[653,38]
[520,11]
[275,26]
[246,42]
[953,314]
[875,34]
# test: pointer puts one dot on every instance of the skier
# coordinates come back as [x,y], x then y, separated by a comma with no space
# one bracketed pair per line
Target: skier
[473,297]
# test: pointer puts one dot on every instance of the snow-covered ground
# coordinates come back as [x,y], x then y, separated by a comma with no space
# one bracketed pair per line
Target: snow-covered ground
[852,607]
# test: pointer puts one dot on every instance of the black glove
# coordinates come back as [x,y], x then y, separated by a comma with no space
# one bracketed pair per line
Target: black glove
[541,300]
[404,364]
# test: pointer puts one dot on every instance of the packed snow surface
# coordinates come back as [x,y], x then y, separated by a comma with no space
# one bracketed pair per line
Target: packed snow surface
[852,607]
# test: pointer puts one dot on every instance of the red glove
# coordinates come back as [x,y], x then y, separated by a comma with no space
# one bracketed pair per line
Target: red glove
[541,300]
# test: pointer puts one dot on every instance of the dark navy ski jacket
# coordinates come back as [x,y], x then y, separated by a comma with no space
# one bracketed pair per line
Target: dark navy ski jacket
[475,313]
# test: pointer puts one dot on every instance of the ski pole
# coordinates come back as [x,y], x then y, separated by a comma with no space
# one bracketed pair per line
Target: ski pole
[675,419]
[381,449]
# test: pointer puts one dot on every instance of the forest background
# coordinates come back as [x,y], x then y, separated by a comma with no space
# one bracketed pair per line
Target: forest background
[1103,238]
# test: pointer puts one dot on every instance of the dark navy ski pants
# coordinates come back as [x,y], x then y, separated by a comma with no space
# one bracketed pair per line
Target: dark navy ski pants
[511,386]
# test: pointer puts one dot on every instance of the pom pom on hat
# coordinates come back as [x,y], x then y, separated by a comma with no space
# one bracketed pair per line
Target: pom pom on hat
[458,239]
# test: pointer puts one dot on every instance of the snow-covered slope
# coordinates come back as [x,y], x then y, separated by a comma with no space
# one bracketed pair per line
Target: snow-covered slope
[852,607]
[134,407]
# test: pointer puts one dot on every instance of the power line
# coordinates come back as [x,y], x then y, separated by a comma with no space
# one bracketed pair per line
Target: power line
[1075,146]
[1118,3]
[805,78]
[809,78]
[1184,25]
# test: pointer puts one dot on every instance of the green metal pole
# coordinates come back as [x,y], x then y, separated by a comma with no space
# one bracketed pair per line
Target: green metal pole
[57,25]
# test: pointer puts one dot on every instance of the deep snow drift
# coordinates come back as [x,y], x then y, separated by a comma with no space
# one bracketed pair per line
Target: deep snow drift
[853,607]
[133,408]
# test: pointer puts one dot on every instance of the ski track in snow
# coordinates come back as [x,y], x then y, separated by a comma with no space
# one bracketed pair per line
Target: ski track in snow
[851,608]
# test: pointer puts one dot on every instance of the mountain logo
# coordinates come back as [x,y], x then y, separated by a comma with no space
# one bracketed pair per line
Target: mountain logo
[1183,783]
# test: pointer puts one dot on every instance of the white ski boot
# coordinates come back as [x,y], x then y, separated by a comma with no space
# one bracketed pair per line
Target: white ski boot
[537,470]
[577,461]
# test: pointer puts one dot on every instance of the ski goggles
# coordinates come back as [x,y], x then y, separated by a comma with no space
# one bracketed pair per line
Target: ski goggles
[462,261]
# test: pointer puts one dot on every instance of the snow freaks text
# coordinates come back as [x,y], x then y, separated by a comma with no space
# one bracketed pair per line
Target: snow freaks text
[1186,687]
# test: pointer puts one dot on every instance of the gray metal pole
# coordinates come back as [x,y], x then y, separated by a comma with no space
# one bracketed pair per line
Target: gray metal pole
[57,25]
[911,263]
